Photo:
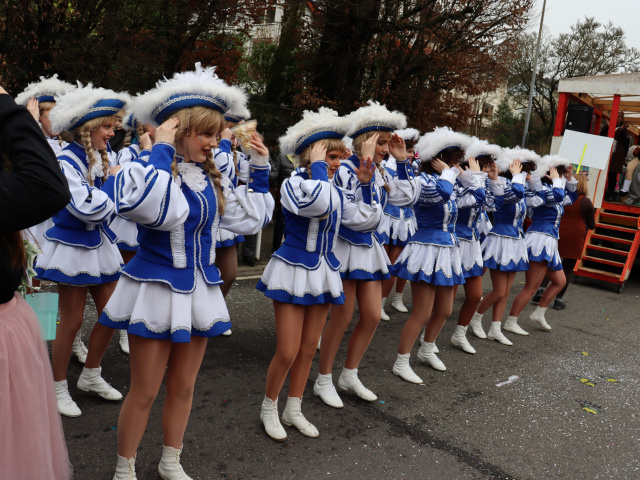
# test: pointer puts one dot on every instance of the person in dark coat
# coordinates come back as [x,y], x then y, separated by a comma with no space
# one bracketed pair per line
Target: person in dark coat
[618,156]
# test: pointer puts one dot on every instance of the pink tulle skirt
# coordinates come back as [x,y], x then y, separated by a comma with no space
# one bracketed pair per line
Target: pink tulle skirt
[31,439]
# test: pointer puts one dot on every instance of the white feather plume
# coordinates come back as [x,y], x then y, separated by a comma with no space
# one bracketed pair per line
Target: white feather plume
[375,115]
[348,142]
[508,155]
[439,139]
[201,81]
[239,111]
[76,103]
[482,147]
[408,134]
[46,86]
[549,161]
[323,120]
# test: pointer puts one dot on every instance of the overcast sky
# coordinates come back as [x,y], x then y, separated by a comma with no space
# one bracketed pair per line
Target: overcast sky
[561,14]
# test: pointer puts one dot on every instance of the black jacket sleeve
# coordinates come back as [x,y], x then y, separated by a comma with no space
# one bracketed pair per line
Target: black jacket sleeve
[35,188]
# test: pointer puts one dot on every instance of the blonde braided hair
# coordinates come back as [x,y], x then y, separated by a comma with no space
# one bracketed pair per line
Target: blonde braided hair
[83,134]
[199,120]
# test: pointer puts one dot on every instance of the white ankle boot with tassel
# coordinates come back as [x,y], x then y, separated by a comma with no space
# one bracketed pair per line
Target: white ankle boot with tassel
[459,339]
[292,416]
[169,467]
[125,469]
[402,369]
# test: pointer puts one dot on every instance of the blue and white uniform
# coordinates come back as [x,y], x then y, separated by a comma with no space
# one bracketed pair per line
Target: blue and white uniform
[483,225]
[432,254]
[125,229]
[467,225]
[80,247]
[305,269]
[223,158]
[360,254]
[37,231]
[398,223]
[169,290]
[546,206]
[504,248]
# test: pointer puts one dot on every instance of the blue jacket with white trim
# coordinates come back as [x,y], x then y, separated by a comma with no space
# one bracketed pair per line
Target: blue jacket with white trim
[506,198]
[547,204]
[314,212]
[178,218]
[88,213]
[401,193]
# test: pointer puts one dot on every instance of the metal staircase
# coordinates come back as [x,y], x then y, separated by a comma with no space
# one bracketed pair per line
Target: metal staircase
[610,249]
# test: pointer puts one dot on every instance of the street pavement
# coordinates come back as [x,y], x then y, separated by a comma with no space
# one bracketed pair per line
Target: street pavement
[457,425]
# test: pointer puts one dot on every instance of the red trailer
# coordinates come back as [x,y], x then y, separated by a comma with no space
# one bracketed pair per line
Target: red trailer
[611,248]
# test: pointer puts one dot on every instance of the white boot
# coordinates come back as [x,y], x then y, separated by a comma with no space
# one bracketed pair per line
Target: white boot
[428,355]
[476,325]
[271,420]
[495,333]
[325,389]
[124,341]
[349,381]
[66,405]
[383,314]
[397,303]
[226,333]
[459,339]
[511,325]
[125,469]
[79,349]
[169,467]
[423,341]
[538,317]
[402,369]
[91,381]
[292,416]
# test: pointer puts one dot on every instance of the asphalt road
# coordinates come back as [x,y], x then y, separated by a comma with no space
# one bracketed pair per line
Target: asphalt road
[458,425]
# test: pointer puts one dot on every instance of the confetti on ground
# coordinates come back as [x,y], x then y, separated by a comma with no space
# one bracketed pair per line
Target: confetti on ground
[608,379]
[587,406]
[584,380]
[581,352]
[511,379]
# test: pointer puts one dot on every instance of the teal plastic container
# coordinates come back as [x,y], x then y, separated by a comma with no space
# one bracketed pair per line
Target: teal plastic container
[45,304]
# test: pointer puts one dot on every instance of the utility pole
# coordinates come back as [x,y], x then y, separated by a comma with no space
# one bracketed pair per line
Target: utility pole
[533,78]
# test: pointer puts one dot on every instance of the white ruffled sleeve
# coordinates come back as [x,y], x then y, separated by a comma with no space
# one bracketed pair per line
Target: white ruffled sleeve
[147,193]
[248,208]
[88,203]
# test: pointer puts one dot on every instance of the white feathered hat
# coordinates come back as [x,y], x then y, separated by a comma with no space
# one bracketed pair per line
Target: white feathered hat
[130,122]
[549,161]
[374,117]
[508,155]
[85,103]
[45,90]
[479,148]
[441,138]
[408,134]
[314,126]
[348,142]
[237,113]
[198,88]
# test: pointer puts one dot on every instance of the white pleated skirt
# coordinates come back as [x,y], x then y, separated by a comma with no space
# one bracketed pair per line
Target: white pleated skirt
[298,285]
[471,258]
[543,248]
[79,266]
[434,264]
[505,254]
[359,262]
[153,310]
